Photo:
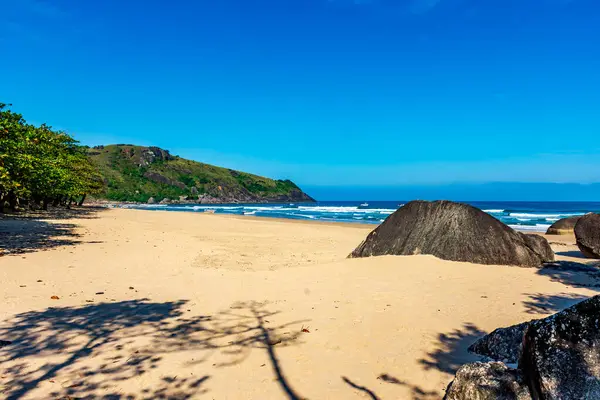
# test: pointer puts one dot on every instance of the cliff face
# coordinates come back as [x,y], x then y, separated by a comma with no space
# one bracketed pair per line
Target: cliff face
[136,173]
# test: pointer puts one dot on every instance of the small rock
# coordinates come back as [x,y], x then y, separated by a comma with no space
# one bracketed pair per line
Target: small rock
[99,292]
[54,297]
[487,381]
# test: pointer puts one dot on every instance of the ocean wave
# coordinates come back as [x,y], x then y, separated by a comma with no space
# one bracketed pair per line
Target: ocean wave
[345,209]
[493,211]
[538,216]
[532,228]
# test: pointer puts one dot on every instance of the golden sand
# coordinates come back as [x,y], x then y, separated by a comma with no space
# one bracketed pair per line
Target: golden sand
[169,304]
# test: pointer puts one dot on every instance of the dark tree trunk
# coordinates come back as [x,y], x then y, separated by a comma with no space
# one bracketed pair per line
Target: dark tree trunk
[82,200]
[12,201]
[45,204]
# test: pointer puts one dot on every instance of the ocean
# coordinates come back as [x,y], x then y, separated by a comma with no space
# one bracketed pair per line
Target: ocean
[530,216]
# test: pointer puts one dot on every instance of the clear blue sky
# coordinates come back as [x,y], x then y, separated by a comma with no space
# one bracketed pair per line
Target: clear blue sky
[325,92]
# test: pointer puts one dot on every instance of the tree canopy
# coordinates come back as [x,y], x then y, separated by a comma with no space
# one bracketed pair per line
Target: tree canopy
[39,165]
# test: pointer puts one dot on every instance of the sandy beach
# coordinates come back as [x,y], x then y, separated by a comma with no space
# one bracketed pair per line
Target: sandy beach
[152,304]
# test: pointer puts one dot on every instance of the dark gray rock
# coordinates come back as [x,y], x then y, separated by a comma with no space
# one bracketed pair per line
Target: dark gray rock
[539,245]
[503,344]
[453,231]
[587,233]
[194,191]
[487,381]
[563,226]
[561,353]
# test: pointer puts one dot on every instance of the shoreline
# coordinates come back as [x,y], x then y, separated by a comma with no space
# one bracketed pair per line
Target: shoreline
[367,225]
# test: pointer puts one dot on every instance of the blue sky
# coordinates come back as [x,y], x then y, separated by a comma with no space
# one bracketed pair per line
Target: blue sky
[328,93]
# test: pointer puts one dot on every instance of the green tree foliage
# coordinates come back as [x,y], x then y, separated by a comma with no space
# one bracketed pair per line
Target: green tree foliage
[39,165]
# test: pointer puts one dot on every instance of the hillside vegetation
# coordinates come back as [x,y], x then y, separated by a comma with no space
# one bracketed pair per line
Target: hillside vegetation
[142,174]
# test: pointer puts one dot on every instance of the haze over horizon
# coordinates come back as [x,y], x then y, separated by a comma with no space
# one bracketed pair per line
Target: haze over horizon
[457,96]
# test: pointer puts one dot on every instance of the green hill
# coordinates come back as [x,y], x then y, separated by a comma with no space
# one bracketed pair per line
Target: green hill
[136,173]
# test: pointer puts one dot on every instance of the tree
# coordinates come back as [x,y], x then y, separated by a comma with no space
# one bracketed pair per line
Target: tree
[40,165]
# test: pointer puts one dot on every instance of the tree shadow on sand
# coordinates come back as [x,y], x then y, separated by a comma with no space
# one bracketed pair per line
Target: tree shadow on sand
[540,303]
[576,274]
[35,231]
[417,393]
[131,338]
[451,349]
[572,253]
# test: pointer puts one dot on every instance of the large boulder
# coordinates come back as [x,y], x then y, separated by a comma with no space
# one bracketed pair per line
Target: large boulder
[151,200]
[560,359]
[487,381]
[561,356]
[587,233]
[563,226]
[456,232]
[503,344]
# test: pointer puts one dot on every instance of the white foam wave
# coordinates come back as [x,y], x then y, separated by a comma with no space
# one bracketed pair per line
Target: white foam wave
[493,211]
[345,209]
[532,228]
[532,215]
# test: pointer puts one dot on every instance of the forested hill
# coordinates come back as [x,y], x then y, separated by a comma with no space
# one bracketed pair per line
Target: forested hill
[148,174]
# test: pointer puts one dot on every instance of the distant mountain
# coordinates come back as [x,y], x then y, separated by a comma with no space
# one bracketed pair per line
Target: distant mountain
[136,173]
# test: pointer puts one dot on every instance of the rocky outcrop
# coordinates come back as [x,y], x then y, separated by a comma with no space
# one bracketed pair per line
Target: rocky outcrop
[456,232]
[559,358]
[154,154]
[487,381]
[165,201]
[503,344]
[136,173]
[563,226]
[587,233]
[158,178]
[151,200]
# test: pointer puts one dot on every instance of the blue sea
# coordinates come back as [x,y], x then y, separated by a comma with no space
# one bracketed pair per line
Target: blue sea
[530,216]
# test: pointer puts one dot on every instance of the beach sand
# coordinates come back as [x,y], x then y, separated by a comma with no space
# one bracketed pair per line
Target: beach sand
[155,304]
